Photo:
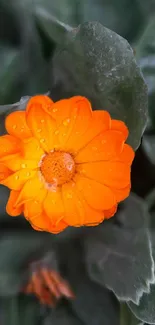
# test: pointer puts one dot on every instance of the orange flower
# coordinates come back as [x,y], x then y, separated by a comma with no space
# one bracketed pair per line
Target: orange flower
[48,286]
[65,164]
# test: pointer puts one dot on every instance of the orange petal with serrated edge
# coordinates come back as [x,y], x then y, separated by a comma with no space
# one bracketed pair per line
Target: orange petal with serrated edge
[8,145]
[104,198]
[41,124]
[11,209]
[31,149]
[53,205]
[121,127]
[113,174]
[33,189]
[126,156]
[16,125]
[73,121]
[100,122]
[41,222]
[77,211]
[4,172]
[18,179]
[16,162]
[109,213]
[105,146]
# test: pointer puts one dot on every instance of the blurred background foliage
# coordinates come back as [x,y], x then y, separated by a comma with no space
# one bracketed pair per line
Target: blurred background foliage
[110,267]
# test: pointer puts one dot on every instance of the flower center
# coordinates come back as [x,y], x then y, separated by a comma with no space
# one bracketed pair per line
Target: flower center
[57,167]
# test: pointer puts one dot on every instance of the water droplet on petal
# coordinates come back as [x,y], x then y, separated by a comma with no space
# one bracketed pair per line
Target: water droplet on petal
[14,126]
[42,140]
[42,121]
[35,202]
[39,130]
[66,122]
[54,110]
[22,129]
[53,202]
[56,132]
[23,165]
[16,177]
[69,196]
[103,141]
[28,174]
[94,148]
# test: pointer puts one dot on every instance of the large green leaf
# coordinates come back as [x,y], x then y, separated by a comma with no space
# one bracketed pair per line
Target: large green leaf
[61,315]
[119,255]
[145,311]
[19,310]
[9,73]
[145,53]
[58,16]
[97,63]
[148,144]
[93,304]
[127,317]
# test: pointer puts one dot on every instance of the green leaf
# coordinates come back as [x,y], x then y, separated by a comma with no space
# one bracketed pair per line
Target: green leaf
[9,73]
[148,144]
[17,250]
[57,17]
[127,318]
[119,254]
[145,53]
[97,63]
[19,310]
[145,311]
[93,304]
[61,315]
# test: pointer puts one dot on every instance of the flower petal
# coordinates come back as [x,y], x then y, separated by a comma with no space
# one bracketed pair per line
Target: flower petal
[58,227]
[105,146]
[41,124]
[16,162]
[110,173]
[109,213]
[4,172]
[77,211]
[8,145]
[100,122]
[11,209]
[31,149]
[42,100]
[73,121]
[126,156]
[16,125]
[43,223]
[53,205]
[74,214]
[121,127]
[40,222]
[34,189]
[18,179]
[97,195]
[32,209]
[121,193]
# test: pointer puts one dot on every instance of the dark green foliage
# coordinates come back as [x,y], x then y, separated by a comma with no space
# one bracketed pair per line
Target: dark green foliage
[69,47]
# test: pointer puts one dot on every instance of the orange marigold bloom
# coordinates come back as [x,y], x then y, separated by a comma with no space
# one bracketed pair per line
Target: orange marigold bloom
[65,164]
[48,286]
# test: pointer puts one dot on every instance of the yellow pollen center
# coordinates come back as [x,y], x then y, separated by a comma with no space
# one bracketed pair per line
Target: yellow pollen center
[57,167]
